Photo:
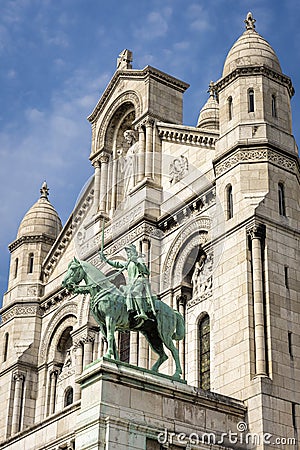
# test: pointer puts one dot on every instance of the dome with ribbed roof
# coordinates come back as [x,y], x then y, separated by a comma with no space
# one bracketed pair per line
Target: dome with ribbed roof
[41,219]
[209,114]
[251,49]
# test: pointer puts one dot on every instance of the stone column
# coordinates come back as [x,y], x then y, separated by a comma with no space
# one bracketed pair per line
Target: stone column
[97,185]
[256,233]
[104,158]
[149,148]
[143,356]
[53,382]
[145,247]
[78,368]
[88,350]
[114,184]
[141,154]
[181,300]
[134,340]
[17,405]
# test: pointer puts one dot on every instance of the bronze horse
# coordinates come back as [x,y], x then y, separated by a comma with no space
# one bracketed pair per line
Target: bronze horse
[108,307]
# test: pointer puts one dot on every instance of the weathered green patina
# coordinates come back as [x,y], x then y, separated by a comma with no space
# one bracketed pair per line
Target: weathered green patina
[131,308]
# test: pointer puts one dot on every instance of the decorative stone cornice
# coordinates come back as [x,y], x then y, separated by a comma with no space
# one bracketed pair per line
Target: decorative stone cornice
[21,310]
[56,299]
[31,240]
[194,207]
[67,233]
[255,70]
[255,155]
[187,135]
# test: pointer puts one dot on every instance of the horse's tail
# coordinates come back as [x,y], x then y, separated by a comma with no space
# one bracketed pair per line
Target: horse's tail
[180,327]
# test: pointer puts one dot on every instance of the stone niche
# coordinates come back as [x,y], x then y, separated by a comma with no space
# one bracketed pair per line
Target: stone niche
[124,407]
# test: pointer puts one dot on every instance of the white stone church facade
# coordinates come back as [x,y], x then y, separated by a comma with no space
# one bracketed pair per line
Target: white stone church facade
[215,211]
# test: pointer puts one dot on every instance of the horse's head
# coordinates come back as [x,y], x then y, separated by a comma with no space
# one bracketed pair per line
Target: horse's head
[75,274]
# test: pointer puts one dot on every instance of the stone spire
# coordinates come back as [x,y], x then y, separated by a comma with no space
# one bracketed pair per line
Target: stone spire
[44,190]
[250,22]
[124,61]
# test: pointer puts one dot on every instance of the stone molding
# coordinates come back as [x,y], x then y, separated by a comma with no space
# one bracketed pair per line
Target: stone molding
[187,135]
[200,227]
[147,72]
[255,70]
[196,206]
[142,230]
[67,234]
[69,309]
[21,311]
[55,299]
[41,238]
[255,155]
[129,96]
[196,300]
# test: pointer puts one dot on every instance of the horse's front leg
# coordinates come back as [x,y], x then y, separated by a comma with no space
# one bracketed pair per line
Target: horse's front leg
[111,344]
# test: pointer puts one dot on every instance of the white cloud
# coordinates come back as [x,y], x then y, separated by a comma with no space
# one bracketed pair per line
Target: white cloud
[199,19]
[156,25]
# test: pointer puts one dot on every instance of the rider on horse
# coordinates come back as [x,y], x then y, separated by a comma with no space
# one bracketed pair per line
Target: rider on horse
[138,292]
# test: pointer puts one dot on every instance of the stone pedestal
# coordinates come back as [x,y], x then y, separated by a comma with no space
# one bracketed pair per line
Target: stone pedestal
[127,408]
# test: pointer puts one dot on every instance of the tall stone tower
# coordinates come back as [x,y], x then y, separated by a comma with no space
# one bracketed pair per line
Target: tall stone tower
[256,166]
[21,315]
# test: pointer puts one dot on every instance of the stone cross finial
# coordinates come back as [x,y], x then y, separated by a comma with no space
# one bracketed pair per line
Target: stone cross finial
[211,89]
[124,60]
[249,21]
[44,190]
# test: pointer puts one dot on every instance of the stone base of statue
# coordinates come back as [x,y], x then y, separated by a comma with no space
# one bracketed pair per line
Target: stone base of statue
[124,407]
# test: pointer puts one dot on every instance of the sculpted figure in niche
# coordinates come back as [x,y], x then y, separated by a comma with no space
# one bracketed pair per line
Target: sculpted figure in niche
[202,276]
[128,161]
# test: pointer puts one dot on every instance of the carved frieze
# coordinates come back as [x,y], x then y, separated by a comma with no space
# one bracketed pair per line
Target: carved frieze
[267,155]
[21,310]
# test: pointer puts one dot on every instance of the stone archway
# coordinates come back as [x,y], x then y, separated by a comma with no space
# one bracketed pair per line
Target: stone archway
[194,234]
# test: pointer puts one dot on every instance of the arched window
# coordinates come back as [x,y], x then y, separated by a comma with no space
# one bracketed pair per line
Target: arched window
[274,106]
[230,108]
[16,267]
[124,346]
[68,396]
[204,353]
[281,199]
[5,348]
[229,202]
[30,262]
[251,100]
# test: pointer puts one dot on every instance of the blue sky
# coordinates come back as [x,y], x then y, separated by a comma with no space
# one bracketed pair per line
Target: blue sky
[56,57]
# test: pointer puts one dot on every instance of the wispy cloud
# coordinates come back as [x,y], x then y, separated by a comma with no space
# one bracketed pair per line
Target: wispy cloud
[156,25]
[199,18]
